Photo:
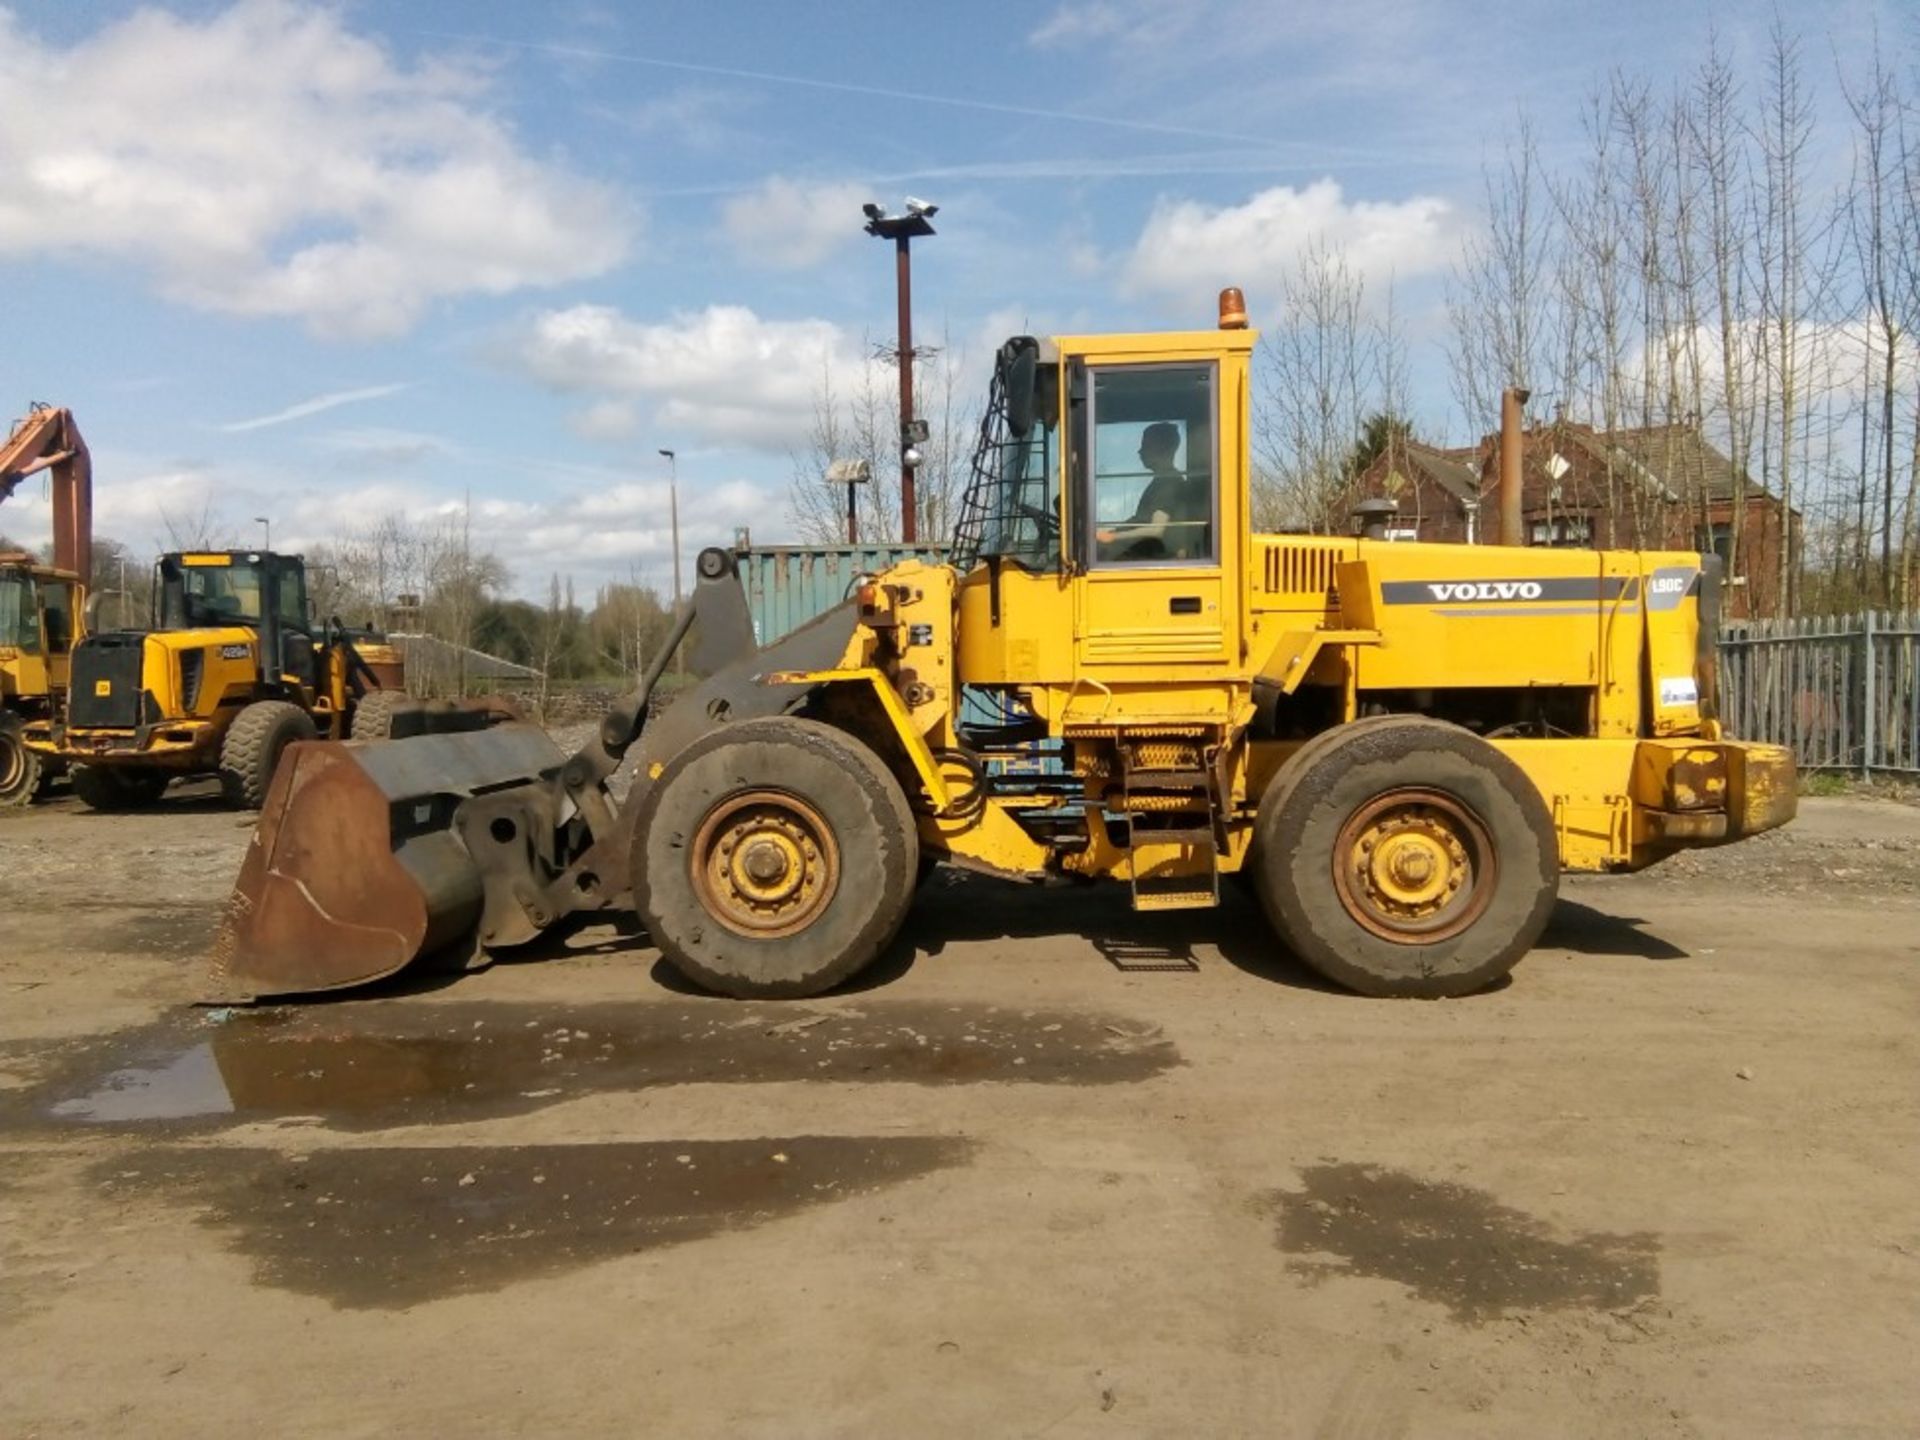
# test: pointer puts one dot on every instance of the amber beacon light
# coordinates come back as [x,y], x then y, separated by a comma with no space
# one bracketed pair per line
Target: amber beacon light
[1233,309]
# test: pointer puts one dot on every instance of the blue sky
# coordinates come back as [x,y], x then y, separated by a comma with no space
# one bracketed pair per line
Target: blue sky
[328,262]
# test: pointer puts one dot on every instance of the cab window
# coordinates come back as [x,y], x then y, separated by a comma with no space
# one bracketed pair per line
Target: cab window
[1154,480]
[290,598]
[19,622]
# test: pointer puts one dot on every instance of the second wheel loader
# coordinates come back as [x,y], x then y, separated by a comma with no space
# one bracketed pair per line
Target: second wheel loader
[233,670]
[1399,747]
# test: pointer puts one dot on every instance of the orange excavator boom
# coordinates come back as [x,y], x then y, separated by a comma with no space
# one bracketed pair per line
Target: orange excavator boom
[47,439]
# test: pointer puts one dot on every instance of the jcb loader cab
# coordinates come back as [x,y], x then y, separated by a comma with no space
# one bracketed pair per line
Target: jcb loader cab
[1399,747]
[234,669]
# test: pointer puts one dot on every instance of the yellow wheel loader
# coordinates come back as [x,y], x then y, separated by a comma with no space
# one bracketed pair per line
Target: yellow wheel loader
[234,669]
[1399,747]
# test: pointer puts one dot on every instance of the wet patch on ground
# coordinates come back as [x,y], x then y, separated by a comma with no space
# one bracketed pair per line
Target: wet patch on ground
[109,927]
[388,1228]
[1456,1246]
[377,1065]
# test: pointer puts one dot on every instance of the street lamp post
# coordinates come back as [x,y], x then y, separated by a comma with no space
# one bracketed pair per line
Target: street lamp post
[266,531]
[673,510]
[901,229]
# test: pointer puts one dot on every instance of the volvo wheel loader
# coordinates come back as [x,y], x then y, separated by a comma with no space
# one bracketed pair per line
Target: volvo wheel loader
[1399,747]
[233,669]
[43,608]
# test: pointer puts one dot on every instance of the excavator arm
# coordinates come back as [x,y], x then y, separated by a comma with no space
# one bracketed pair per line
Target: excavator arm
[48,439]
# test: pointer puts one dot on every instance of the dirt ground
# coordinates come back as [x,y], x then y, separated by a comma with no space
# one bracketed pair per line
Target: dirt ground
[1052,1170]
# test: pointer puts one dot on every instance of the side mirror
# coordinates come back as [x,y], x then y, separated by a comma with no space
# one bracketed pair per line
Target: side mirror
[1017,363]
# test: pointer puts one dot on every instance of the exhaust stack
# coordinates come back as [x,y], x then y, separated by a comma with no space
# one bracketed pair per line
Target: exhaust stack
[1512,457]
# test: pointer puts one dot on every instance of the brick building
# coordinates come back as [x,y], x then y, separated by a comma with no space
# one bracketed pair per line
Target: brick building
[1660,487]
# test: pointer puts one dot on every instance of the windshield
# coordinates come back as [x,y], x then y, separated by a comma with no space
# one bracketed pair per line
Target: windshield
[210,595]
[19,621]
[1012,505]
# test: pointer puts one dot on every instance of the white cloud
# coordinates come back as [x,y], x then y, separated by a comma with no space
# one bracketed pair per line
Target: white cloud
[268,161]
[317,405]
[1077,22]
[721,374]
[595,523]
[608,420]
[1188,250]
[785,224]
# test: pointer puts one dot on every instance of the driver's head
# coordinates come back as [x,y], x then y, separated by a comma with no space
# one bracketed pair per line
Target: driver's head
[1159,442]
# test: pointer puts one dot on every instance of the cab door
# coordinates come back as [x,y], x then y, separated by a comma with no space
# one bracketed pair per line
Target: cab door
[1152,525]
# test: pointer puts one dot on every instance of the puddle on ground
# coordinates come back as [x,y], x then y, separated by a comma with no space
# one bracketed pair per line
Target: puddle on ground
[387,1228]
[1456,1246]
[390,1063]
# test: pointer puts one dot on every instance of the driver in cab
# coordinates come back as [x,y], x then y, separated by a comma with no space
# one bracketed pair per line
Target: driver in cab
[1170,521]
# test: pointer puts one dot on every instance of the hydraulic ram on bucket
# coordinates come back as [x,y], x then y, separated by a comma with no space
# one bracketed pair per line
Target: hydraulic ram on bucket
[370,855]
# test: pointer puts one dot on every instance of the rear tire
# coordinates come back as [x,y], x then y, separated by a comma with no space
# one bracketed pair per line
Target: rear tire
[21,770]
[255,741]
[1406,857]
[111,789]
[373,715]
[774,859]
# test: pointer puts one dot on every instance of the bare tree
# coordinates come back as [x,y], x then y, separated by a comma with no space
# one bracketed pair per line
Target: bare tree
[1494,299]
[865,425]
[1872,224]
[1323,366]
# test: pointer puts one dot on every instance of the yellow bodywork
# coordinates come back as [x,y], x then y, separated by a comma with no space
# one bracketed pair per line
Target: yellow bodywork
[1176,669]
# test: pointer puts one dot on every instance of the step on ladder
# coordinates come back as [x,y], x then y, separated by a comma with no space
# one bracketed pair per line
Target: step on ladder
[1176,834]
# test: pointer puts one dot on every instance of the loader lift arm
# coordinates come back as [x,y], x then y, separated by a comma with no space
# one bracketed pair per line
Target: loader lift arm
[47,438]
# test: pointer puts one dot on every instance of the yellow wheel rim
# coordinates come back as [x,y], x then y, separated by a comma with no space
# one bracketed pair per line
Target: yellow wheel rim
[765,864]
[1414,866]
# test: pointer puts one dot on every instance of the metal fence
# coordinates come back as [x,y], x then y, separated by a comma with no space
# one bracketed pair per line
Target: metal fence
[1843,691]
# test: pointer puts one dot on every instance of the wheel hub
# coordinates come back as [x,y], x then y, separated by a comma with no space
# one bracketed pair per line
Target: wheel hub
[765,863]
[1414,866]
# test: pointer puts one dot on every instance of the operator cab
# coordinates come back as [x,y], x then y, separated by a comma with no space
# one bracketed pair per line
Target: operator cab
[36,610]
[255,589]
[230,587]
[1104,531]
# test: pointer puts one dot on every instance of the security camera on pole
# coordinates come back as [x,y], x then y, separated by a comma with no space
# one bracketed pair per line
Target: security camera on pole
[901,229]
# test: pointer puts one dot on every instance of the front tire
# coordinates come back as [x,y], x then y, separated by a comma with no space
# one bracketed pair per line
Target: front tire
[253,746]
[774,859]
[1406,857]
[21,770]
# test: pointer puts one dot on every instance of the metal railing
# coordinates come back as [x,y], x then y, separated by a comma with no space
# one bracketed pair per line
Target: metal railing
[1842,690]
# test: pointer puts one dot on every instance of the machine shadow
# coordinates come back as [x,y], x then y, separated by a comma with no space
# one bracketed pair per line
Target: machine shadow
[1586,931]
[960,906]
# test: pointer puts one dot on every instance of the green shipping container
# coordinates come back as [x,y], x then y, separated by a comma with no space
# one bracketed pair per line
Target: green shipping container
[788,585]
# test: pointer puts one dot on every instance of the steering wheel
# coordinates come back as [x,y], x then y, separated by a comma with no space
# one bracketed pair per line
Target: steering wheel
[1048,522]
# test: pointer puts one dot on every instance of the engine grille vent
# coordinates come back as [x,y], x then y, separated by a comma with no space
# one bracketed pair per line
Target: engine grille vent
[1300,570]
[193,669]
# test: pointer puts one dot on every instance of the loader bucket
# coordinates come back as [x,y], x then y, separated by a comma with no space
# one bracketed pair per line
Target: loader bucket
[355,870]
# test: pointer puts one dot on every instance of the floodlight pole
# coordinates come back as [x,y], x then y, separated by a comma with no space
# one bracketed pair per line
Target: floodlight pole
[901,229]
[903,276]
[673,512]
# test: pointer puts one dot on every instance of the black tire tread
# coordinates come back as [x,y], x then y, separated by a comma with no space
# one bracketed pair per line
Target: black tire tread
[31,777]
[373,715]
[1344,960]
[251,749]
[683,946]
